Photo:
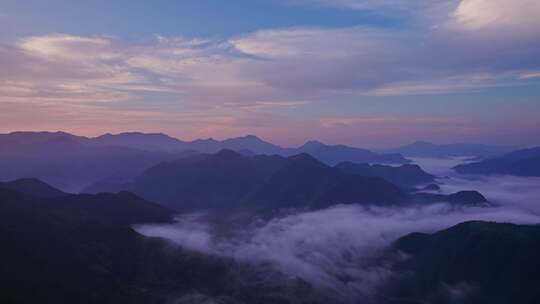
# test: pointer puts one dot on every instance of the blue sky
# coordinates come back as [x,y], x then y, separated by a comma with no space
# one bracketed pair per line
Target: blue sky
[362,72]
[188,18]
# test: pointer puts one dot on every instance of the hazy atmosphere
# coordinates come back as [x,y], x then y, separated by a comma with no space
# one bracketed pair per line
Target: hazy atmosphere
[270,152]
[324,246]
[286,70]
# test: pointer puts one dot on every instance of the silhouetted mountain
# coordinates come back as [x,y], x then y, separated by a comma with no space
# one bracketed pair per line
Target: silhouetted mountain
[304,182]
[334,154]
[470,198]
[15,139]
[64,161]
[427,149]
[229,180]
[70,162]
[473,262]
[162,142]
[330,154]
[122,208]
[204,181]
[432,187]
[33,187]
[521,163]
[80,249]
[246,152]
[252,143]
[141,141]
[404,176]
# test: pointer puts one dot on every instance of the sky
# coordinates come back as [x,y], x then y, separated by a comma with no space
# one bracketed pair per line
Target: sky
[369,73]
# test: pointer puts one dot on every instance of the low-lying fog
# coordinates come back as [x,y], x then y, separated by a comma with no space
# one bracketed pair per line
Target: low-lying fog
[332,248]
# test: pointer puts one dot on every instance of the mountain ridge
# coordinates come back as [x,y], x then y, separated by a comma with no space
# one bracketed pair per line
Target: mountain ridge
[230,180]
[486,262]
[423,148]
[524,162]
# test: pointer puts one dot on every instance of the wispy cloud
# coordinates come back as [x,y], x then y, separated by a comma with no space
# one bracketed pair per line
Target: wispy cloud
[471,47]
[485,14]
[336,249]
[375,4]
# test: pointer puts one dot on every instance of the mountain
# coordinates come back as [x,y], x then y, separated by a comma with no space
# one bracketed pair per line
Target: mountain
[158,142]
[33,187]
[141,141]
[122,208]
[428,149]
[334,154]
[69,162]
[521,163]
[472,262]
[81,249]
[405,176]
[202,181]
[229,180]
[305,182]
[16,139]
[253,144]
[467,198]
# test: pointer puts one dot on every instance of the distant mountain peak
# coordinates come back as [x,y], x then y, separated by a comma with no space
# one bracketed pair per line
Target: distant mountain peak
[228,153]
[312,144]
[209,139]
[249,137]
[305,158]
[126,134]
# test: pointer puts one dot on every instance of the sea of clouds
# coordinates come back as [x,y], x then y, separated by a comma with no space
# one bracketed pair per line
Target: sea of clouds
[333,249]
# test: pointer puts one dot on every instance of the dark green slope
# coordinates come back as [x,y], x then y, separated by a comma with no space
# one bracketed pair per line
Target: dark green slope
[32,186]
[404,176]
[473,262]
[80,249]
[520,163]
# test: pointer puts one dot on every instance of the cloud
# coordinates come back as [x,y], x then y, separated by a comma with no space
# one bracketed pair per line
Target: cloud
[67,47]
[374,4]
[335,249]
[530,74]
[320,63]
[497,14]
[273,71]
[332,249]
[295,42]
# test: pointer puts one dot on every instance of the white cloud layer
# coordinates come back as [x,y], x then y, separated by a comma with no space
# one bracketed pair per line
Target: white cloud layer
[333,248]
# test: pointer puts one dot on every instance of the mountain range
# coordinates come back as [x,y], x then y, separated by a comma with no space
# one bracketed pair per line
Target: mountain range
[164,143]
[520,163]
[71,162]
[33,187]
[405,176]
[81,248]
[428,149]
[228,179]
